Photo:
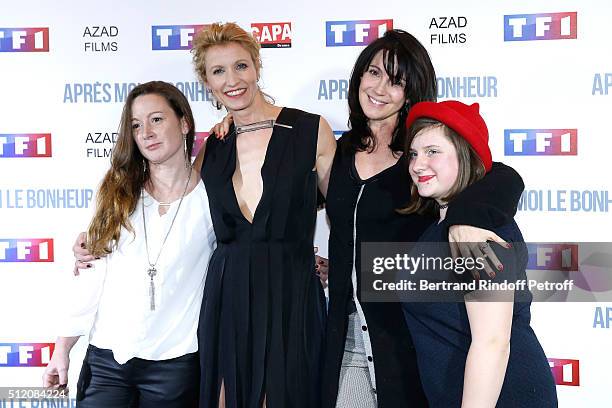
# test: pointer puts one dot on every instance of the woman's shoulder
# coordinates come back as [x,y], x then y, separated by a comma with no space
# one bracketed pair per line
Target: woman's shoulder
[509,232]
[288,114]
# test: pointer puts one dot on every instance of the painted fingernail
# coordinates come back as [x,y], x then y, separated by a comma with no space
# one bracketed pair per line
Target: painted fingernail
[508,245]
[492,275]
[500,267]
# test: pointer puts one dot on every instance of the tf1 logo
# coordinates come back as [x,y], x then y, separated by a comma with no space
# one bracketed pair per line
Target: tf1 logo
[25,354]
[26,250]
[565,372]
[552,257]
[359,32]
[24,39]
[272,35]
[25,145]
[174,37]
[541,142]
[541,26]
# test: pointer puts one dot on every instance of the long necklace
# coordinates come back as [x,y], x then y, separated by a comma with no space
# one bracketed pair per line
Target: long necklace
[152,271]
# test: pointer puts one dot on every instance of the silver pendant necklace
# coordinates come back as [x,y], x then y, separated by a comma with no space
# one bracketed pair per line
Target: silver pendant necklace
[152,271]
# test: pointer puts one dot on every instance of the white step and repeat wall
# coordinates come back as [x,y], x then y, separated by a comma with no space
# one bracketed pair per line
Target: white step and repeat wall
[541,71]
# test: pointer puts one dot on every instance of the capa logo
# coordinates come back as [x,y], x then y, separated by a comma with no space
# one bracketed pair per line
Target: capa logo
[540,142]
[272,35]
[25,145]
[25,354]
[359,32]
[552,257]
[24,39]
[174,37]
[26,250]
[541,26]
[565,372]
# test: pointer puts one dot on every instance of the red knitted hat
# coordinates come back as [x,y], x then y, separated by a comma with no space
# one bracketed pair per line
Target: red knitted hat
[463,119]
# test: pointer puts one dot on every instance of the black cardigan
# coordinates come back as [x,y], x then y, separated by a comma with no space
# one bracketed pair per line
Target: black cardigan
[397,379]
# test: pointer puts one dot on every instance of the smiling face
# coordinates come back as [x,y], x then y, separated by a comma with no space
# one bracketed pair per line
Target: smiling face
[379,97]
[157,130]
[434,165]
[231,75]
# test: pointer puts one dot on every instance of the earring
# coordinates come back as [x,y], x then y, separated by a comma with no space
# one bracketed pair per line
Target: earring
[187,158]
[214,100]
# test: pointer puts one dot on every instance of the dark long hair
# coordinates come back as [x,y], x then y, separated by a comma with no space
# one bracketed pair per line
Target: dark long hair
[122,185]
[413,66]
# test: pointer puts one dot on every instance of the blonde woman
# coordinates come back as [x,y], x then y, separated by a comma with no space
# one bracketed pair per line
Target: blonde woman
[262,320]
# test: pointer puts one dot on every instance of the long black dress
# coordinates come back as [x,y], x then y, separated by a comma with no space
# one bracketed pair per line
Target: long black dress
[263,314]
[364,211]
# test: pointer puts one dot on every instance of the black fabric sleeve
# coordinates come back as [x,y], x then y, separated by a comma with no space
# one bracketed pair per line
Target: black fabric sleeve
[490,202]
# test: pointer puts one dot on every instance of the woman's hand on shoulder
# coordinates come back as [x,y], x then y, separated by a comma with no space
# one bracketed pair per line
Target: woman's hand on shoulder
[221,129]
[472,242]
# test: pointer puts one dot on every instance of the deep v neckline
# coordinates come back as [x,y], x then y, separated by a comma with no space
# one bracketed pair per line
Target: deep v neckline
[261,172]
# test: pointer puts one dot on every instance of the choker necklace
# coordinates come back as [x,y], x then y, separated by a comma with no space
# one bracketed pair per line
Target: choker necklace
[444,206]
[251,127]
[264,124]
[152,271]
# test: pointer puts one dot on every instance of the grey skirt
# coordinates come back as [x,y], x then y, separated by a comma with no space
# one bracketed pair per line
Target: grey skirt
[355,387]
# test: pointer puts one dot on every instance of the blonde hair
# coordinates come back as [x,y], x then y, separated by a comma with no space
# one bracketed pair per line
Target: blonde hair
[222,34]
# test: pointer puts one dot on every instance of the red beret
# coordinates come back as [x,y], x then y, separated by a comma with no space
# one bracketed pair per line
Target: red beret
[463,119]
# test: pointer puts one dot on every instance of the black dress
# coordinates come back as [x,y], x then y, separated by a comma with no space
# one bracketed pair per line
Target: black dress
[263,313]
[365,209]
[442,336]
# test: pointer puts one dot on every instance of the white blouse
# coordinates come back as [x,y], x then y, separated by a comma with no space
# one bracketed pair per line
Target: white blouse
[111,302]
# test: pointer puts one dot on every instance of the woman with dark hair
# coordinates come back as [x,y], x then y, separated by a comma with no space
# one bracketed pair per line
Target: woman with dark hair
[369,355]
[472,353]
[152,235]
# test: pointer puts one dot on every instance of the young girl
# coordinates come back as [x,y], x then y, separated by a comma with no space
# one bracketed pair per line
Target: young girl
[470,354]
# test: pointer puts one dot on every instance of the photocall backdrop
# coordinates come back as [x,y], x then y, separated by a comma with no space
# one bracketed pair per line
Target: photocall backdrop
[541,72]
